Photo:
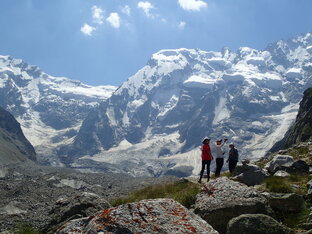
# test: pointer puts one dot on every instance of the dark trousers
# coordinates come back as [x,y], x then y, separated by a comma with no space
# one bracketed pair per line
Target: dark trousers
[232,165]
[204,163]
[219,165]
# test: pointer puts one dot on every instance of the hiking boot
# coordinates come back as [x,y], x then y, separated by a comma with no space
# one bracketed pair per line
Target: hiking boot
[199,181]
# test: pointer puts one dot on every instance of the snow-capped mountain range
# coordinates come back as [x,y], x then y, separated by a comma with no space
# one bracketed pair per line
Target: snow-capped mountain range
[49,109]
[153,124]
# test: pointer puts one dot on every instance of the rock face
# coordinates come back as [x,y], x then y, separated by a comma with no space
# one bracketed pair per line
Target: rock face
[301,130]
[79,205]
[290,202]
[14,146]
[147,216]
[256,224]
[223,199]
[249,174]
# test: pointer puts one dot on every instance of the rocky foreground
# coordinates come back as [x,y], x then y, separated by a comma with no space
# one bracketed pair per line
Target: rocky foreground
[37,195]
[65,201]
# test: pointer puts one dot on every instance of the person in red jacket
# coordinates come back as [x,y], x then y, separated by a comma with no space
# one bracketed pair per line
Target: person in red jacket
[206,159]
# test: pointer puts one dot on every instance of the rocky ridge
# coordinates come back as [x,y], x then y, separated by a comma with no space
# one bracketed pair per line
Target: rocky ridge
[14,146]
[301,130]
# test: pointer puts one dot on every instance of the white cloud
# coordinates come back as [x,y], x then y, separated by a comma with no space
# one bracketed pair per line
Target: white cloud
[87,29]
[114,20]
[126,10]
[192,5]
[182,25]
[146,7]
[97,15]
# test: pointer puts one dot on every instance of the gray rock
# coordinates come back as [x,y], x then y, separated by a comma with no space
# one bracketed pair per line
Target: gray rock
[289,202]
[281,173]
[277,161]
[249,174]
[80,205]
[223,199]
[256,224]
[147,216]
[299,166]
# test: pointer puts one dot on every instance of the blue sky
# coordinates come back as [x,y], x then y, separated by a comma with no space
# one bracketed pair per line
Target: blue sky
[103,42]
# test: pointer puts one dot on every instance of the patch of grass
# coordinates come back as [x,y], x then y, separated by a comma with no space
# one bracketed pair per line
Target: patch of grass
[293,220]
[23,228]
[296,183]
[303,150]
[301,153]
[182,191]
[226,174]
[277,185]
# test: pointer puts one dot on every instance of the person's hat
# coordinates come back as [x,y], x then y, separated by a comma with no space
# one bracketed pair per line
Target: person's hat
[231,144]
[206,138]
[219,140]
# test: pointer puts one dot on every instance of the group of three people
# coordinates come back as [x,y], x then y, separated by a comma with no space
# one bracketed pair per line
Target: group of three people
[207,157]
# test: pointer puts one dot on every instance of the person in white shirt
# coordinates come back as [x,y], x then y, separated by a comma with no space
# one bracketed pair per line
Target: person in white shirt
[220,156]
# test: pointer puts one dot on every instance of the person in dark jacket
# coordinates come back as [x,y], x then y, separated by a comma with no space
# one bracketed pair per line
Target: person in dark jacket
[206,159]
[233,158]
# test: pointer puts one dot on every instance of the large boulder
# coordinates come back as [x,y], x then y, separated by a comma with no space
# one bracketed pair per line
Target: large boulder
[298,166]
[249,174]
[278,161]
[223,199]
[146,216]
[77,206]
[256,224]
[289,202]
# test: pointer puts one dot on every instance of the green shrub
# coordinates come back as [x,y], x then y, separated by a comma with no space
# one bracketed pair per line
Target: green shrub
[182,191]
[278,185]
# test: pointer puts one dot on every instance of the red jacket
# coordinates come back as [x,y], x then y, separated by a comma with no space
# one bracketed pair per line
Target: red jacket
[206,152]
